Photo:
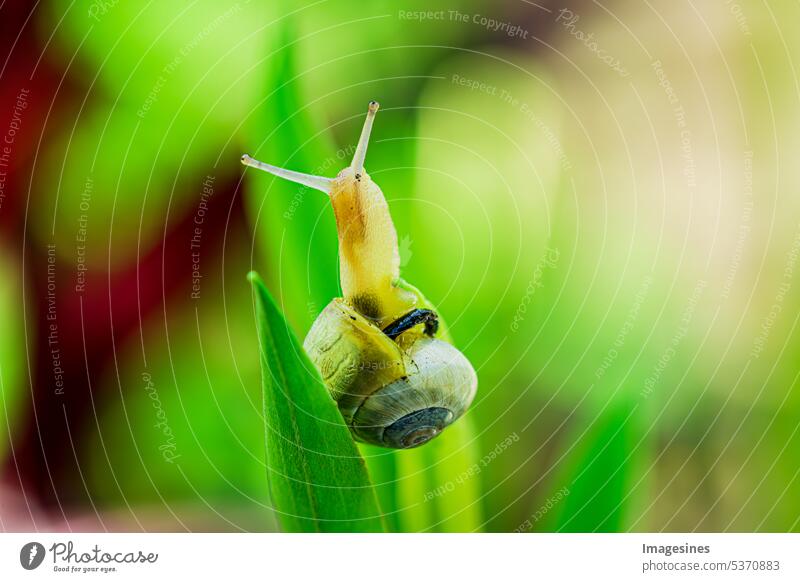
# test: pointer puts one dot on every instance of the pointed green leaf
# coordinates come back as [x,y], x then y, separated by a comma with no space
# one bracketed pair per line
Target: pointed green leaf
[601,473]
[318,480]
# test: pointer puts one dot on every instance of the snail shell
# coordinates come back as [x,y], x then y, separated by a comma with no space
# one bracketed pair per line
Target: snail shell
[397,394]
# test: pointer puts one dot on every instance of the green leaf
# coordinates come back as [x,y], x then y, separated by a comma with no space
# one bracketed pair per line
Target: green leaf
[602,473]
[436,487]
[442,491]
[383,470]
[12,342]
[294,224]
[318,480]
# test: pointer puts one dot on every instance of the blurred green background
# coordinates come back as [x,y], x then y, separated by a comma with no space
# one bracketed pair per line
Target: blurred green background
[600,198]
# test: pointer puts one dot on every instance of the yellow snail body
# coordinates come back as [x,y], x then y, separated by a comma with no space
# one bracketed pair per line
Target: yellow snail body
[378,348]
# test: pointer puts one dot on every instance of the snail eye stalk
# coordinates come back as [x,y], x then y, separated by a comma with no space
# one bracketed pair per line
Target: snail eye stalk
[361,150]
[317,182]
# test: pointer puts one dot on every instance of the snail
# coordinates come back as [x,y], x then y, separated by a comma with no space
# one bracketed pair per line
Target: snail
[379,349]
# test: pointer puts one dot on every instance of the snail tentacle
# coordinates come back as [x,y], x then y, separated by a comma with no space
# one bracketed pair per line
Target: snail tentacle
[361,149]
[317,182]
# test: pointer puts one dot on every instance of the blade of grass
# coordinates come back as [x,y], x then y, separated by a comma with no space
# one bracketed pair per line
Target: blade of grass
[440,490]
[318,480]
[294,224]
[436,487]
[601,473]
[382,467]
[11,353]
[430,488]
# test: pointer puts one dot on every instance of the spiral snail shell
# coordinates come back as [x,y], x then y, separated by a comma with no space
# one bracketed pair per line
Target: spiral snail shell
[379,349]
